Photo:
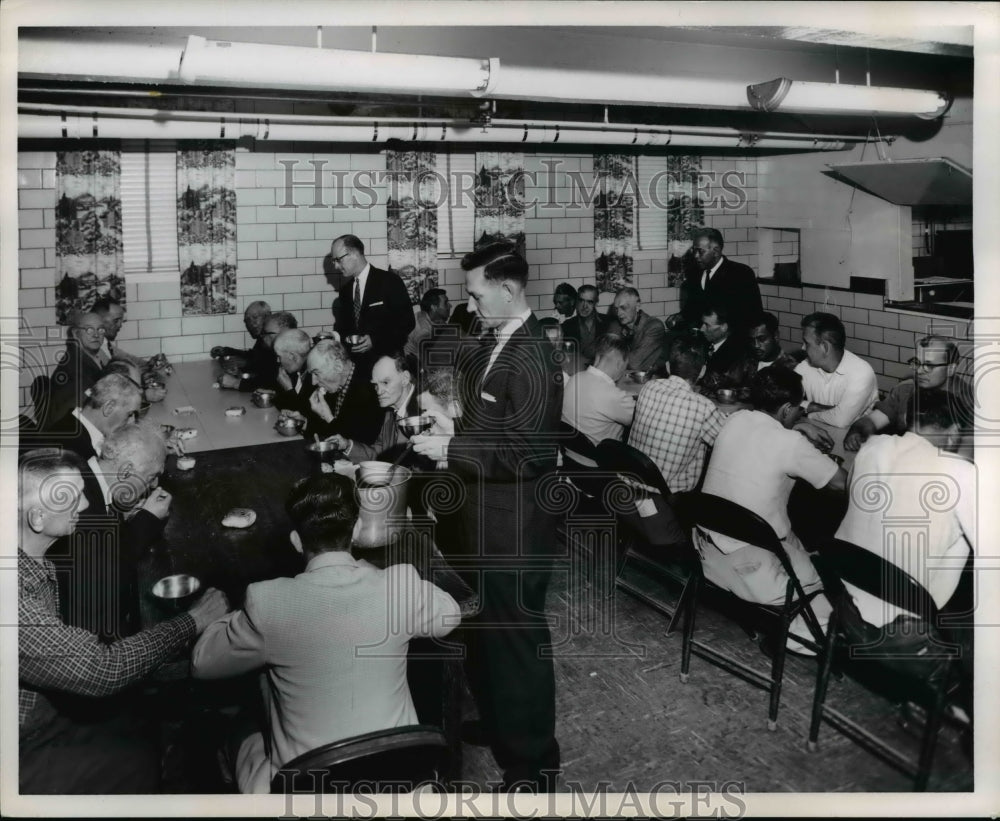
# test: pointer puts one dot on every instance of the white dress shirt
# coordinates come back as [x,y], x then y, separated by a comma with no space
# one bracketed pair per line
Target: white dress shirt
[852,390]
[96,437]
[596,406]
[504,333]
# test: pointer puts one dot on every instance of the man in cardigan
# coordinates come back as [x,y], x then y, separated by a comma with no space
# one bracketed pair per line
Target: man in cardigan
[504,449]
[373,304]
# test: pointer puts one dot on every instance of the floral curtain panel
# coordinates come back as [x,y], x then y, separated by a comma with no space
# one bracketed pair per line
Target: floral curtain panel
[206,229]
[500,198]
[411,213]
[88,230]
[685,213]
[614,219]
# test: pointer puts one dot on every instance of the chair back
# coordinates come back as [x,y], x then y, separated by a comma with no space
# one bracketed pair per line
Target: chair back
[845,561]
[397,760]
[632,462]
[576,447]
[733,520]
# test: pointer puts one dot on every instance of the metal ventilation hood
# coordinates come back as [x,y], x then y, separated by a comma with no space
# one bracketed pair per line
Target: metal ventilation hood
[930,181]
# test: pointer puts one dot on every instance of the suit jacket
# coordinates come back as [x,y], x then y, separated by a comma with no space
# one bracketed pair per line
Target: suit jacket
[734,284]
[571,329]
[262,365]
[68,384]
[647,339]
[386,314]
[360,416]
[333,644]
[731,366]
[390,440]
[296,400]
[505,442]
[66,432]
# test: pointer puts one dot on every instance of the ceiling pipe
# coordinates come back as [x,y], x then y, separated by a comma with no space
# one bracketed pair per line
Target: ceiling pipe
[222,63]
[53,122]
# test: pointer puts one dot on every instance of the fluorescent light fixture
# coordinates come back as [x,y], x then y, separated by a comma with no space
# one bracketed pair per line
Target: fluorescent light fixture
[835,98]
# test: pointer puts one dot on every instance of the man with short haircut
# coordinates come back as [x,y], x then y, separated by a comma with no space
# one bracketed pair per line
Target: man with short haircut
[564,301]
[435,309]
[644,333]
[930,542]
[393,383]
[332,642]
[82,364]
[438,397]
[57,754]
[729,361]
[110,404]
[98,582]
[343,402]
[113,315]
[934,371]
[839,386]
[674,424]
[765,345]
[587,325]
[265,368]
[291,348]
[592,402]
[254,317]
[719,280]
[756,461]
[504,449]
[373,304]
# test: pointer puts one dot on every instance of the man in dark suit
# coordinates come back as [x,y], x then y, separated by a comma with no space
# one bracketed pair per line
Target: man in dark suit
[373,304]
[343,401]
[586,325]
[730,360]
[79,368]
[719,280]
[291,347]
[504,449]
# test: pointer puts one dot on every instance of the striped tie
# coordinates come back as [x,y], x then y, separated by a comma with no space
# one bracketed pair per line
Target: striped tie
[357,305]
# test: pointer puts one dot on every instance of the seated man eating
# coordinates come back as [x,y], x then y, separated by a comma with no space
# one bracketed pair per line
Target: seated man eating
[332,642]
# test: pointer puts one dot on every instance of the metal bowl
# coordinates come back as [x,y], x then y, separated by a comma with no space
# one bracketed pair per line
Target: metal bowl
[726,395]
[321,447]
[353,339]
[176,587]
[288,426]
[412,425]
[376,474]
[639,377]
[263,397]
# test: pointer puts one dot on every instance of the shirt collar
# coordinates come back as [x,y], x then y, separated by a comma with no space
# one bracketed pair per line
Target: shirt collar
[96,437]
[600,374]
[32,572]
[363,277]
[714,268]
[677,381]
[331,558]
[95,466]
[404,400]
[506,331]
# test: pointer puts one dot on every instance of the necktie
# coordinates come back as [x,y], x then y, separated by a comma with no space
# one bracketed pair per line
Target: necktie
[357,305]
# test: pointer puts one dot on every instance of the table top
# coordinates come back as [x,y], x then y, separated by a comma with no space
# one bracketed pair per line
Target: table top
[191,385]
[632,388]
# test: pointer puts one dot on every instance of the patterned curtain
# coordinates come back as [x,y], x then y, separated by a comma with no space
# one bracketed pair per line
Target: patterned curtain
[684,213]
[500,198]
[206,229]
[411,214]
[88,230]
[614,217]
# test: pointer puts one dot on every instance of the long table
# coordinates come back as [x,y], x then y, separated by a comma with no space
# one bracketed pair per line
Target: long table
[191,385]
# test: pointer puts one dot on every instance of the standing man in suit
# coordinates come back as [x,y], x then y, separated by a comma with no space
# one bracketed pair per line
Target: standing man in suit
[373,304]
[719,279]
[504,448]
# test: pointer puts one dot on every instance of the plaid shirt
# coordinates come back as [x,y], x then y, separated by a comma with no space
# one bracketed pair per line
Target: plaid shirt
[54,656]
[673,426]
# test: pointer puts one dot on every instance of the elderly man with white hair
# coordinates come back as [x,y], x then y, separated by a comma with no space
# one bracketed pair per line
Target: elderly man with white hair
[292,347]
[343,401]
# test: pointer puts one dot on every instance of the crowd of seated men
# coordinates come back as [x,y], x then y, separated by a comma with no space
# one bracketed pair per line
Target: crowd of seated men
[87,434]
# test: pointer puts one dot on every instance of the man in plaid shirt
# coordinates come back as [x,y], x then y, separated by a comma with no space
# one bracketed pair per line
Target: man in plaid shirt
[58,755]
[674,425]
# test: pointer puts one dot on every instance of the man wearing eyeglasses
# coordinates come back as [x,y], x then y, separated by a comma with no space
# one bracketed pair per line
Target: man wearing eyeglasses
[935,370]
[373,305]
[80,367]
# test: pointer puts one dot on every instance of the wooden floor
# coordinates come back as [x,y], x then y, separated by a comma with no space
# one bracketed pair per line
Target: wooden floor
[624,718]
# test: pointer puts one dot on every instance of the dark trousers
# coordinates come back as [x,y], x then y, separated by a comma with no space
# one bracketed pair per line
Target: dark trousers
[65,757]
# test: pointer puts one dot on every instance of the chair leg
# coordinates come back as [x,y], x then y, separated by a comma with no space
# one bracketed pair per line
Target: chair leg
[691,607]
[778,672]
[927,746]
[822,683]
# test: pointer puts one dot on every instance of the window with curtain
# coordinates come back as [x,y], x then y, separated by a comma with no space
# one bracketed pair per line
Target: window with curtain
[412,220]
[500,198]
[457,212]
[149,209]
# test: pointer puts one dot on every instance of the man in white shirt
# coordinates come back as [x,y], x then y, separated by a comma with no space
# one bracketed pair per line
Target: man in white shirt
[332,642]
[839,386]
[592,402]
[912,502]
[756,460]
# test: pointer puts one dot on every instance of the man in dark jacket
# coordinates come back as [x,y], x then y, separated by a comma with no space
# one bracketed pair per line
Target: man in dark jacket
[719,280]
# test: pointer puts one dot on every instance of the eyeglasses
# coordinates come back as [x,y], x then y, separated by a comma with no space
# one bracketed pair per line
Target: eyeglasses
[925,367]
[338,259]
[92,331]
